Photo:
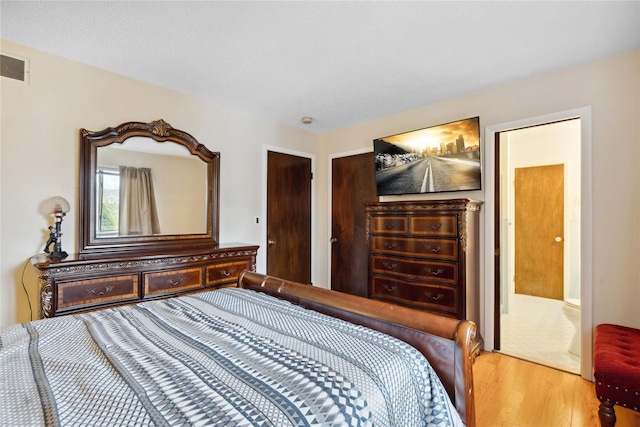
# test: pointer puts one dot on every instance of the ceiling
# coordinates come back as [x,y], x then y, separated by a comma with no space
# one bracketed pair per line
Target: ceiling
[340,62]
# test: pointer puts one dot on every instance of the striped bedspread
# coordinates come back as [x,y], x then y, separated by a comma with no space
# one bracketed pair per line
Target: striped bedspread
[231,357]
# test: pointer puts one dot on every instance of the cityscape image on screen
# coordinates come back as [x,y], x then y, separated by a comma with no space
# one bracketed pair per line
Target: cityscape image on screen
[431,160]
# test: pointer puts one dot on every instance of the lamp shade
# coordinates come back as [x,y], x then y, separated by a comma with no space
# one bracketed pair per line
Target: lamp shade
[56,204]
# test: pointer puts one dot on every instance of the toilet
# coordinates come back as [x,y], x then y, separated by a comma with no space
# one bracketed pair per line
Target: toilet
[571,309]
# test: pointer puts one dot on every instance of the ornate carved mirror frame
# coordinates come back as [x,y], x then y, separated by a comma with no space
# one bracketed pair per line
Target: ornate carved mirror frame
[91,245]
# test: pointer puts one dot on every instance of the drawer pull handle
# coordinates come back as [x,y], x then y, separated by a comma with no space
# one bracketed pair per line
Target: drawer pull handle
[390,226]
[435,272]
[435,298]
[389,288]
[390,245]
[94,291]
[225,274]
[432,249]
[436,226]
[176,282]
[389,265]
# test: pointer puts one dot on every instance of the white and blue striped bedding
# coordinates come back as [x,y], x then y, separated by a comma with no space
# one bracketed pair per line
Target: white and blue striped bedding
[231,357]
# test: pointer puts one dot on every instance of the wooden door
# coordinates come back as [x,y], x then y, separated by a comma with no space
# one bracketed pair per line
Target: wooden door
[289,217]
[539,231]
[353,183]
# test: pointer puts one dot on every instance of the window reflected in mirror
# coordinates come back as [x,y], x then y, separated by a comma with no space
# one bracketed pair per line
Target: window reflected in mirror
[108,201]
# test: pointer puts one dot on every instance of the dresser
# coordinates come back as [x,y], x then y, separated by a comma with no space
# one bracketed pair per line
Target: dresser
[77,283]
[424,254]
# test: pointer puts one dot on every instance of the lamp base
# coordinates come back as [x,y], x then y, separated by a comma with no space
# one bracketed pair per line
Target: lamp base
[58,255]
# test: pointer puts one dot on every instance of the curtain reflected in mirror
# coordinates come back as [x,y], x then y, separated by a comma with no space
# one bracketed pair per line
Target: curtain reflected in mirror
[138,214]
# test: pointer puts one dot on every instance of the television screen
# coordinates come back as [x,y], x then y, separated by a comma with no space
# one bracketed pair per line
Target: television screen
[430,160]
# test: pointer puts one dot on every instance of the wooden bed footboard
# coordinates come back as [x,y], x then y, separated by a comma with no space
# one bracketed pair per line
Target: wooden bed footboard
[445,342]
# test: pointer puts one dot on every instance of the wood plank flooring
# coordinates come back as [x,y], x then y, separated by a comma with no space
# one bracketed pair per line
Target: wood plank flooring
[512,392]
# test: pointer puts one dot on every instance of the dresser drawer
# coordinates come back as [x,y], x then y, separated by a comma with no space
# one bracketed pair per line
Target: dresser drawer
[422,247]
[91,292]
[172,281]
[390,224]
[414,268]
[436,225]
[438,297]
[225,273]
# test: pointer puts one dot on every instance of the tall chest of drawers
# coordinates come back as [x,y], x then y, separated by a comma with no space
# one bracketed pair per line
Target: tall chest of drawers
[425,254]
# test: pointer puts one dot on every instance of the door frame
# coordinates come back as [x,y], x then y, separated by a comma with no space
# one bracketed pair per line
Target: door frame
[488,293]
[262,254]
[330,197]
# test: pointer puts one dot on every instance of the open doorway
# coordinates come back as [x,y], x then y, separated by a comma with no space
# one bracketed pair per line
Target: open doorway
[538,211]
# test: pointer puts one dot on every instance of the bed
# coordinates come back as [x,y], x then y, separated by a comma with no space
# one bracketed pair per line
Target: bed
[269,352]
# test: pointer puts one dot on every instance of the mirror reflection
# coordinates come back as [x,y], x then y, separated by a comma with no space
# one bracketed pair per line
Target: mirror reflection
[140,189]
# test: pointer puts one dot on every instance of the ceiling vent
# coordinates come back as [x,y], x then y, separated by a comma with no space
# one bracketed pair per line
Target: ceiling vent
[14,67]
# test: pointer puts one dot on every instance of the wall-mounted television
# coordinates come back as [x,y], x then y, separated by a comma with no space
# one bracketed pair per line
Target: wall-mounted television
[435,159]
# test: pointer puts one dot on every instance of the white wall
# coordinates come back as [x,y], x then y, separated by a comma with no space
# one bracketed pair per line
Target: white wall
[611,87]
[39,151]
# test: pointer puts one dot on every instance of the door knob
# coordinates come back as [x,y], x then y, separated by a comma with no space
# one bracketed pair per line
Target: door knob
[271,242]
[333,240]
[558,239]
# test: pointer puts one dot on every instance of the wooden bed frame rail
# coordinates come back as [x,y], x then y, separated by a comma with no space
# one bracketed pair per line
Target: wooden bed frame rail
[445,342]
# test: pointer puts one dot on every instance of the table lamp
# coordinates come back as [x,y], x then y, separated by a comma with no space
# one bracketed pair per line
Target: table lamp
[58,207]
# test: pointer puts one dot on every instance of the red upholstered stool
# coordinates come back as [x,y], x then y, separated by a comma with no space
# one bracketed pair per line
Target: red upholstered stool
[616,363]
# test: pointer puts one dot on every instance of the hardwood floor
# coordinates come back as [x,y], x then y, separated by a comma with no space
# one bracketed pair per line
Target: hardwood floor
[512,392]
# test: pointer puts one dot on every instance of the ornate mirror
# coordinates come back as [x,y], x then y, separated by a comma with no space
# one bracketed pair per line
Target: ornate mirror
[146,187]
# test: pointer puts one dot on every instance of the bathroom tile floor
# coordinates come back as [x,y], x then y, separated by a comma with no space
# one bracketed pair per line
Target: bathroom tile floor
[536,329]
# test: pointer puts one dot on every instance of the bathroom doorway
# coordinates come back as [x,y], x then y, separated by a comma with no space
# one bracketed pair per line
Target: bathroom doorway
[538,310]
